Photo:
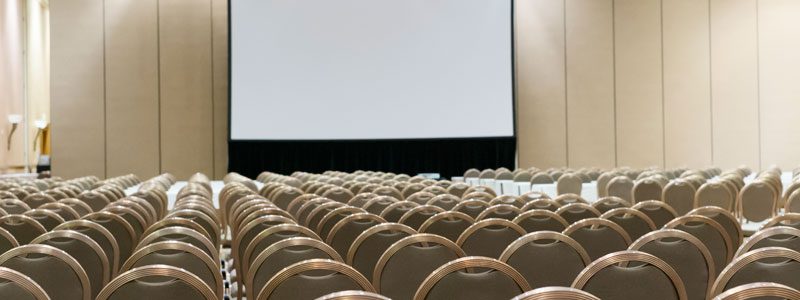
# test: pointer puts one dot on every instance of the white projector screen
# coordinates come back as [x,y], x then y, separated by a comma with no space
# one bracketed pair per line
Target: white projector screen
[371,69]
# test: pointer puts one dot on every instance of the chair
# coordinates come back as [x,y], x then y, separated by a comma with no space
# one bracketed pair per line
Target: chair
[635,222]
[378,204]
[757,290]
[540,220]
[411,189]
[181,255]
[489,237]
[121,229]
[714,194]
[522,176]
[7,241]
[38,199]
[570,198]
[542,178]
[575,212]
[420,198]
[271,236]
[393,212]
[316,214]
[94,199]
[352,295]
[472,208]
[793,202]
[333,217]
[654,280]
[370,245]
[472,173]
[184,235]
[787,219]
[389,191]
[598,236]
[778,236]
[347,230]
[156,282]
[396,278]
[758,201]
[516,201]
[15,285]
[554,293]
[99,235]
[417,215]
[343,195]
[450,281]
[445,201]
[46,218]
[622,187]
[783,267]
[280,255]
[295,282]
[546,258]
[569,184]
[60,275]
[686,254]
[679,194]
[23,228]
[499,211]
[658,211]
[14,206]
[605,204]
[646,189]
[724,218]
[85,251]
[602,183]
[542,203]
[480,189]
[210,225]
[449,224]
[711,233]
[457,189]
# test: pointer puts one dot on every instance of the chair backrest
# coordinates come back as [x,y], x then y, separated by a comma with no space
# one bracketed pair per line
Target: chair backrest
[184,235]
[156,282]
[22,227]
[560,255]
[368,247]
[445,201]
[622,187]
[686,254]
[758,201]
[778,236]
[758,290]
[598,236]
[280,255]
[79,206]
[539,220]
[378,204]
[38,199]
[554,293]
[679,194]
[747,269]
[457,189]
[347,230]
[417,215]
[85,251]
[472,173]
[542,203]
[575,212]
[787,219]
[793,202]
[658,211]
[542,178]
[353,295]
[714,194]
[489,237]
[517,201]
[472,208]
[331,218]
[607,203]
[60,275]
[523,176]
[96,200]
[7,241]
[711,233]
[181,255]
[315,216]
[635,222]
[499,211]
[411,189]
[647,189]
[724,218]
[118,227]
[271,236]
[451,282]
[101,236]
[449,224]
[569,184]
[300,280]
[66,212]
[343,195]
[14,206]
[406,263]
[653,280]
[16,285]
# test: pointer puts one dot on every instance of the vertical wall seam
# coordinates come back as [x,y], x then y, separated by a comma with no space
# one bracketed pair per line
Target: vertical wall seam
[663,113]
[758,84]
[566,98]
[158,55]
[105,101]
[213,88]
[614,75]
[710,84]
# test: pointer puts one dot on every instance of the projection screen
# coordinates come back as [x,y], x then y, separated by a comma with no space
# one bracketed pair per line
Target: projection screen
[371,69]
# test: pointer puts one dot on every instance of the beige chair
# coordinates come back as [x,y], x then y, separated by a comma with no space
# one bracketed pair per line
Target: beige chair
[793,202]
[711,233]
[759,290]
[445,201]
[647,189]
[298,282]
[85,251]
[686,254]
[347,230]
[570,198]
[758,201]
[654,280]
[622,187]
[489,237]
[555,293]
[635,223]
[542,178]
[569,184]
[378,204]
[333,217]
[540,220]
[418,215]
[499,211]
[396,278]
[352,295]
[607,203]
[316,214]
[64,211]
[13,206]
[714,194]
[523,176]
[393,212]
[16,285]
[7,241]
[783,267]
[458,280]
[23,228]
[724,218]
[472,208]
[99,235]
[182,234]
[542,203]
[343,195]
[157,282]
[370,245]
[546,258]
[121,229]
[777,236]
[516,201]
[575,212]
[181,255]
[480,189]
[457,189]
[420,197]
[269,237]
[787,219]
[472,173]
[60,275]
[389,191]
[598,236]
[38,199]
[679,194]
[94,199]
[411,189]
[449,224]
[658,211]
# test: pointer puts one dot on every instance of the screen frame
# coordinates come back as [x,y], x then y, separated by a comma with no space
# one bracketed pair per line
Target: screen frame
[513,92]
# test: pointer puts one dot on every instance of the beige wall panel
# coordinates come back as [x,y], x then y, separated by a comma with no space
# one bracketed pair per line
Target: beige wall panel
[541,90]
[734,82]
[132,144]
[186,89]
[687,83]
[590,83]
[219,19]
[779,63]
[77,89]
[637,29]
